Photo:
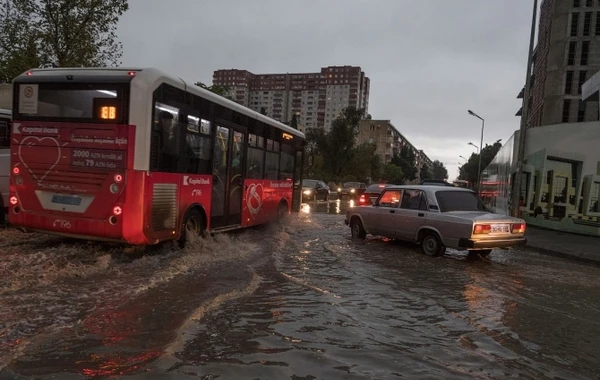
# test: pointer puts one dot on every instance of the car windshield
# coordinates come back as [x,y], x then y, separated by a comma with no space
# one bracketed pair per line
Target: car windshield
[459,201]
[309,183]
[352,184]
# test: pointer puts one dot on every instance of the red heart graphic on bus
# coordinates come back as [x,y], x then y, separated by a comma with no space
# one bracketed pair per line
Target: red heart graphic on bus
[254,198]
[27,152]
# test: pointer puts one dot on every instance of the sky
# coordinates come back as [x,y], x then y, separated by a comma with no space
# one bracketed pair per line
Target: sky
[429,61]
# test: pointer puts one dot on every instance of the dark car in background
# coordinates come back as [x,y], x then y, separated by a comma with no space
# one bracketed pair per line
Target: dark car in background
[371,193]
[314,189]
[351,190]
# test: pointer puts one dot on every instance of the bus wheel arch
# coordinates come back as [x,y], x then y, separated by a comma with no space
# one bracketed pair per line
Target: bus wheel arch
[194,221]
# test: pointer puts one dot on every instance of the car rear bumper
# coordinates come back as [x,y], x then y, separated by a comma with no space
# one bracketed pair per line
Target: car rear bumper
[491,243]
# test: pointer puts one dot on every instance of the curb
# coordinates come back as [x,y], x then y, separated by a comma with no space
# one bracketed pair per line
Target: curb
[586,257]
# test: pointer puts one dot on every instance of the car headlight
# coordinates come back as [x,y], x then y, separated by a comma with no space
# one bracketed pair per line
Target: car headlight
[352,190]
[307,192]
[339,189]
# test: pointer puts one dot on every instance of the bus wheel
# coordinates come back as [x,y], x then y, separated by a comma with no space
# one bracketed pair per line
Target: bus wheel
[193,225]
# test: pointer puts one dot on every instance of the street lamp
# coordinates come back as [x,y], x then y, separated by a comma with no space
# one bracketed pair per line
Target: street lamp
[474,146]
[480,148]
[463,158]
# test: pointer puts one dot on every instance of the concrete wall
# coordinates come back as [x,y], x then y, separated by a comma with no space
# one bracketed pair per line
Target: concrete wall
[6,96]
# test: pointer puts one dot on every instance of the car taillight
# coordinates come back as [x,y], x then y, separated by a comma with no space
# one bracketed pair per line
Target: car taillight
[482,229]
[518,228]
[362,200]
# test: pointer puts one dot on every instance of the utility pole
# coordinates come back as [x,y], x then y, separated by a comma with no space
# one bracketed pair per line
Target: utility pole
[516,193]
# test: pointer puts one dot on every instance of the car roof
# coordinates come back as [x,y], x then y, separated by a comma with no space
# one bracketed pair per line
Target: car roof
[434,188]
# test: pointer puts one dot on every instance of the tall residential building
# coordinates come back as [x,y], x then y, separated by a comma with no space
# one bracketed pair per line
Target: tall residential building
[567,53]
[389,141]
[316,98]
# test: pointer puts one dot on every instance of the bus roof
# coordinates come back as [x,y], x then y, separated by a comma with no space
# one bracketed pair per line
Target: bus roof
[151,77]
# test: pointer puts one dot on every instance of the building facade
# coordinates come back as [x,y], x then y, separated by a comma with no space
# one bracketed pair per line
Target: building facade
[567,53]
[389,142]
[316,98]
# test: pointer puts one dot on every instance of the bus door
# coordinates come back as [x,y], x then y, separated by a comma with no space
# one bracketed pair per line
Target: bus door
[228,177]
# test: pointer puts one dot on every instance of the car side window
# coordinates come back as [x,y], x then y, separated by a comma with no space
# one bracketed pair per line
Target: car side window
[414,200]
[390,198]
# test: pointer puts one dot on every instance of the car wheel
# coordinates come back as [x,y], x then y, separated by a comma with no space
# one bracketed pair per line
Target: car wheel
[357,229]
[431,245]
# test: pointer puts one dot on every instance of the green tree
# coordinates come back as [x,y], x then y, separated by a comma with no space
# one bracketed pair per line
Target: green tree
[406,161]
[438,170]
[425,172]
[58,33]
[219,90]
[294,122]
[469,171]
[365,164]
[393,174]
[337,145]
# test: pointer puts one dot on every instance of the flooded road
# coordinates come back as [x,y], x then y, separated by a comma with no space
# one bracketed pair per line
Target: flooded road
[299,301]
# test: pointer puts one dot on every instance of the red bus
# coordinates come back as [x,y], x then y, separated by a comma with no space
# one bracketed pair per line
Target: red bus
[137,156]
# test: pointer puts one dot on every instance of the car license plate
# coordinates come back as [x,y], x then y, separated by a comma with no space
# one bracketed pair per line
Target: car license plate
[500,228]
[66,200]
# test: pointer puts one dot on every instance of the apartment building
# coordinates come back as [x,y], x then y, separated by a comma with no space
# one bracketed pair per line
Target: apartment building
[389,141]
[567,53]
[316,98]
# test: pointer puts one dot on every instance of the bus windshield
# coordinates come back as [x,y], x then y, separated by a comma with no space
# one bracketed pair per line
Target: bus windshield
[92,103]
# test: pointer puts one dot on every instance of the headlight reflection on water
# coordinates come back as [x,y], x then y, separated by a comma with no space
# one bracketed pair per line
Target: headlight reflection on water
[305,208]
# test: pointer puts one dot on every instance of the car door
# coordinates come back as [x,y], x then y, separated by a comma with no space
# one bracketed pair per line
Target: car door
[411,214]
[382,217]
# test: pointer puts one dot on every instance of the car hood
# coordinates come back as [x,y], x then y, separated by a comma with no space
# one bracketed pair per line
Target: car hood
[483,216]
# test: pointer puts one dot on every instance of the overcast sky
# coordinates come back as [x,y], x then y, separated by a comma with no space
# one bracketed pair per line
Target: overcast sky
[429,61]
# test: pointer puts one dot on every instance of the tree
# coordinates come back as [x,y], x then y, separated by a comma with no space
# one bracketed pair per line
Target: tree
[58,33]
[219,90]
[406,161]
[470,170]
[425,172]
[294,122]
[337,145]
[364,165]
[393,174]
[438,170]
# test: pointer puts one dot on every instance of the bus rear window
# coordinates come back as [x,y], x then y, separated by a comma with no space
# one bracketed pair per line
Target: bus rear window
[100,103]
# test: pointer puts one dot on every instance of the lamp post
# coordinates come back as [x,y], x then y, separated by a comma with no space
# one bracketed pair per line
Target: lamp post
[480,147]
[476,147]
[463,158]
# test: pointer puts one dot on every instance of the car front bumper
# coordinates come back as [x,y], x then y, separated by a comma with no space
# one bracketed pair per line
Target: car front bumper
[491,243]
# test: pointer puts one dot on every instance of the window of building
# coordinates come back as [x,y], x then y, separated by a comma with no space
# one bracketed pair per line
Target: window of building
[581,112]
[582,78]
[574,24]
[569,82]
[589,3]
[566,110]
[571,55]
[585,50]
[597,24]
[587,23]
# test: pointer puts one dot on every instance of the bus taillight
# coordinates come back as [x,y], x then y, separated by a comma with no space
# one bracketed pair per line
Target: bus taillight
[13,200]
[117,210]
[16,170]
[118,178]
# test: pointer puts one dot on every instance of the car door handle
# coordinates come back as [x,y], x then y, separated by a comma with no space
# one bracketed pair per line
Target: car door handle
[392,211]
[421,214]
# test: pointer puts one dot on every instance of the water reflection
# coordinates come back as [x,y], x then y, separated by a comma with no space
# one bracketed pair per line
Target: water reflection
[337,207]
